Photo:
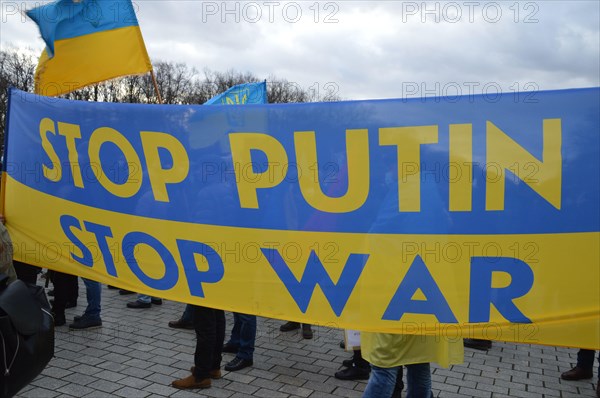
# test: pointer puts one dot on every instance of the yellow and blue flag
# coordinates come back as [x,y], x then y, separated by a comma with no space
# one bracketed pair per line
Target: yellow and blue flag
[87,42]
[247,93]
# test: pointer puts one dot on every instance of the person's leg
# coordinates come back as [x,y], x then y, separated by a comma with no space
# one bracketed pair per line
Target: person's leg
[399,384]
[188,314]
[584,369]
[60,282]
[585,359]
[234,338]
[418,380]
[247,336]
[25,272]
[381,383]
[307,332]
[93,293]
[205,324]
[219,339]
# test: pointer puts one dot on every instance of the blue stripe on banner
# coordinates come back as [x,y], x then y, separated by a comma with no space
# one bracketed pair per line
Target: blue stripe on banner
[422,166]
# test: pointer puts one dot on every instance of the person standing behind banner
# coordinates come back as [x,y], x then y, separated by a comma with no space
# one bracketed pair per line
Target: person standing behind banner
[214,202]
[6,252]
[388,352]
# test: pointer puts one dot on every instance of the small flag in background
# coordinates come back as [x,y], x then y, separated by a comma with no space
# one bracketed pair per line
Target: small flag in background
[247,93]
[87,42]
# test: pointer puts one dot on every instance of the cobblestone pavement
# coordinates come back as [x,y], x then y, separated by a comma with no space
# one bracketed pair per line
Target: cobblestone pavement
[135,354]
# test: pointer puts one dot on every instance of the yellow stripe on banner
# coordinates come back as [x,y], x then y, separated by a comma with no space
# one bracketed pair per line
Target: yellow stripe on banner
[562,300]
[89,59]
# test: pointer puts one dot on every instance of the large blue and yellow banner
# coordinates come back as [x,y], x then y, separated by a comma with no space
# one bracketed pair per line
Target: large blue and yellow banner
[454,217]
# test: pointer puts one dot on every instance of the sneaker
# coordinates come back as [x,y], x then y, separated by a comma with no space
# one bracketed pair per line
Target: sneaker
[85,323]
[138,304]
[348,363]
[289,326]
[181,324]
[156,301]
[238,363]
[307,332]
[191,382]
[124,292]
[353,373]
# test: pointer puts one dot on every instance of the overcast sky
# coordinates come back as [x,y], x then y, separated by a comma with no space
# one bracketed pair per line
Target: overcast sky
[374,49]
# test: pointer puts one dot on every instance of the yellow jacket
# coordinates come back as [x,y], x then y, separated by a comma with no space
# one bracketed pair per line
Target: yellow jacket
[387,350]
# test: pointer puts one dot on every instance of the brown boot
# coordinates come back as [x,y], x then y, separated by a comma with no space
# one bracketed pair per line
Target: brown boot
[191,382]
[214,374]
[577,373]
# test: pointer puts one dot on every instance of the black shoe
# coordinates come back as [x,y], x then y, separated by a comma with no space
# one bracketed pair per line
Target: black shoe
[112,287]
[124,292]
[59,319]
[307,332]
[138,304]
[156,301]
[230,348]
[353,373]
[478,344]
[289,326]
[343,345]
[348,363]
[181,324]
[85,323]
[238,363]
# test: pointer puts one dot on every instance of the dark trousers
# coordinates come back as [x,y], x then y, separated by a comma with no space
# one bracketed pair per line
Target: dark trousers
[359,361]
[585,359]
[66,288]
[210,335]
[25,272]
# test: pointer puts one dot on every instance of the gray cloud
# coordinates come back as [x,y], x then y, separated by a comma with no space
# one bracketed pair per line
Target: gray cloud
[372,49]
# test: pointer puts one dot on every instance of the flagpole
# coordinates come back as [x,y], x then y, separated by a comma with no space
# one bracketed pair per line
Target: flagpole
[156,87]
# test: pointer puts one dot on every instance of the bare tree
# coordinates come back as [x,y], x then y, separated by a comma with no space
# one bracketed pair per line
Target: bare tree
[177,83]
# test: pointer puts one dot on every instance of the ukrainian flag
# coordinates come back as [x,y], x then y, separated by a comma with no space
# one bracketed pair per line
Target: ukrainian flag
[87,42]
[247,93]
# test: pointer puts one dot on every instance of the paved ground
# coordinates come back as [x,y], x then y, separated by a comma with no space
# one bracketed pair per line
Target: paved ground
[135,354]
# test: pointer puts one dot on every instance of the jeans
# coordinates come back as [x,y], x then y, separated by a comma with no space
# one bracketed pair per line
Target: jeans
[93,294]
[383,380]
[243,335]
[210,334]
